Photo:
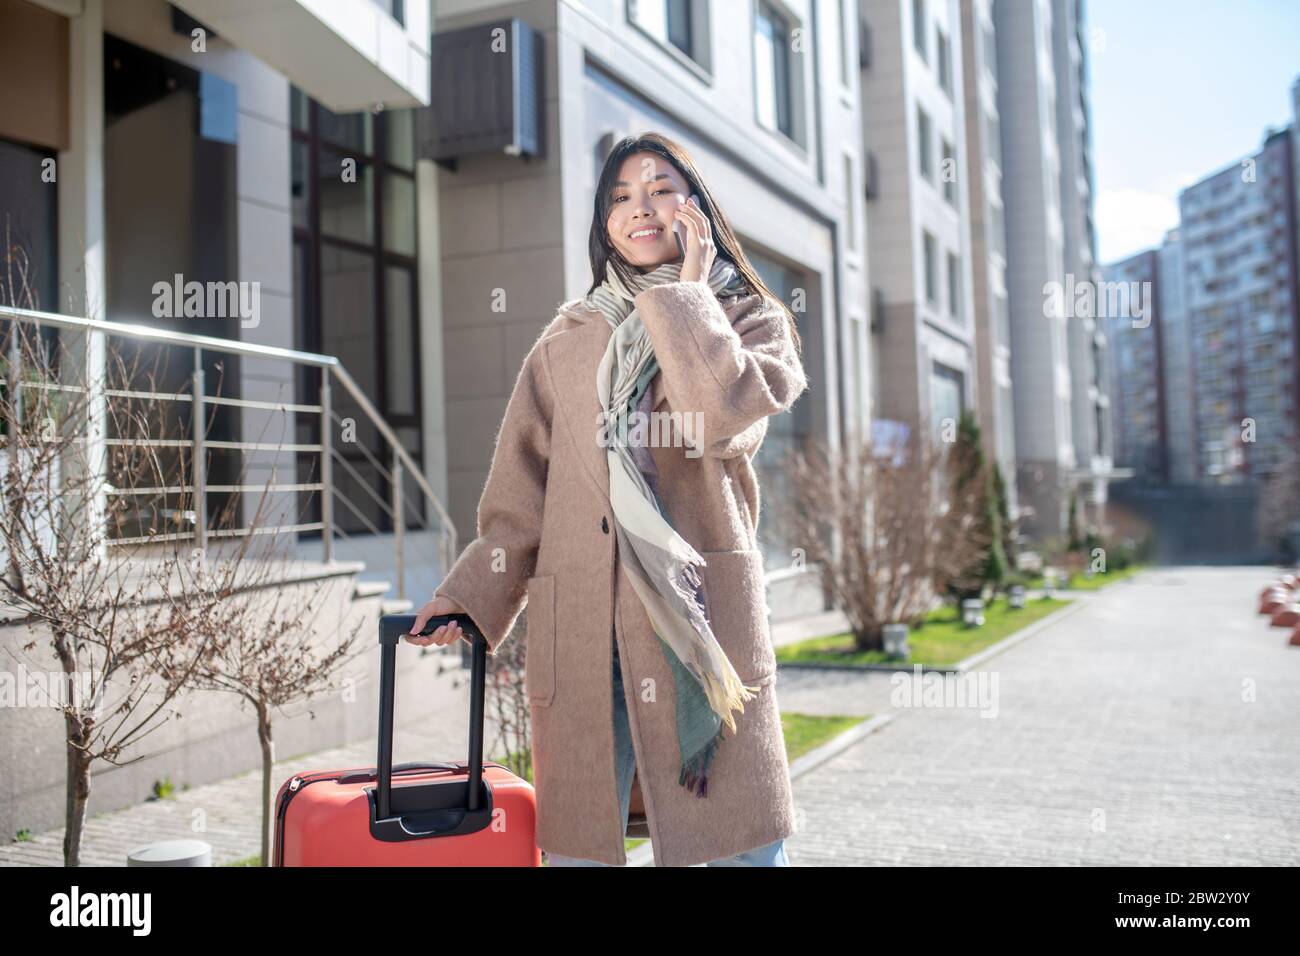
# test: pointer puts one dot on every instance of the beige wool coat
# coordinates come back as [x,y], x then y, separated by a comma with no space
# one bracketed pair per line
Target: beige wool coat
[546,539]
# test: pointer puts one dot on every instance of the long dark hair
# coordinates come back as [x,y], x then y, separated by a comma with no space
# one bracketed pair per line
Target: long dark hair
[602,251]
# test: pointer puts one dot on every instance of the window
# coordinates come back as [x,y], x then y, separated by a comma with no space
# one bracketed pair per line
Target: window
[947,397]
[394,8]
[999,229]
[918,27]
[846,74]
[923,144]
[850,203]
[30,217]
[931,268]
[949,173]
[1002,319]
[990,52]
[993,137]
[941,60]
[680,24]
[954,286]
[356,291]
[772,70]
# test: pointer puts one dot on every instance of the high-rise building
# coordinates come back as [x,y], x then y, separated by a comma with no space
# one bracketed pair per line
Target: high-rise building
[1040,358]
[1238,236]
[1090,427]
[1138,394]
[1176,361]
[983,173]
[1060,403]
[918,237]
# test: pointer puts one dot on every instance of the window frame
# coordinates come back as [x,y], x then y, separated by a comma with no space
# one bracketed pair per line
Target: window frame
[930,266]
[942,60]
[699,60]
[925,151]
[949,151]
[768,11]
[309,240]
[920,39]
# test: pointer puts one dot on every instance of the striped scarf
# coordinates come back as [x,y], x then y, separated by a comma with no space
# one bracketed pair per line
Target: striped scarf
[659,562]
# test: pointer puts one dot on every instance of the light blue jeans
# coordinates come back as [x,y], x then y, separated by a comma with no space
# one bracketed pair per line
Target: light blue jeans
[625,766]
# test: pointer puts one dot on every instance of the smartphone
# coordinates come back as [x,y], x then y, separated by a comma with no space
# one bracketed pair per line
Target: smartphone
[679,230]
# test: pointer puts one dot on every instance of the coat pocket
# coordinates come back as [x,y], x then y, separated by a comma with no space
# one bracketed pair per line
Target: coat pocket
[736,597]
[539,656]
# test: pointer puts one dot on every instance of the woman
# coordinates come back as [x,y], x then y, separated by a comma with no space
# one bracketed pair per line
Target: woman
[634,547]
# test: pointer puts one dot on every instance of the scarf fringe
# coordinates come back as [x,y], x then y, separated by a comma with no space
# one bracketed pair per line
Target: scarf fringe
[728,695]
[694,775]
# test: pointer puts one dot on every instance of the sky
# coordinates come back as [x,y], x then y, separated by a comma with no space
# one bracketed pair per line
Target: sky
[1179,89]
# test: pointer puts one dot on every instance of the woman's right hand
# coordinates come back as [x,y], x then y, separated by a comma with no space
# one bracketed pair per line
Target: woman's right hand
[443,635]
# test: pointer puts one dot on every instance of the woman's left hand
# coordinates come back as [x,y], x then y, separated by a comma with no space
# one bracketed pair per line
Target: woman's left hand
[700,251]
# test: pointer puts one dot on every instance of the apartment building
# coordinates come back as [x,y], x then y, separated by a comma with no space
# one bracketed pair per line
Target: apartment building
[989,307]
[1140,400]
[1058,362]
[1238,233]
[171,131]
[1090,426]
[292,149]
[1040,359]
[913,114]
[1176,361]
[1150,366]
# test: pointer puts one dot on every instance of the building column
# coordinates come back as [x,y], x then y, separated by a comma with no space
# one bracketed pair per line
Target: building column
[82,281]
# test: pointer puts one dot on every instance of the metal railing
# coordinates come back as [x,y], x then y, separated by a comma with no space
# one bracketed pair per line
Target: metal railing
[400,463]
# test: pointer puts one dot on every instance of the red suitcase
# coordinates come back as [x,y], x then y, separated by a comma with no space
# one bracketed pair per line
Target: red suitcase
[442,814]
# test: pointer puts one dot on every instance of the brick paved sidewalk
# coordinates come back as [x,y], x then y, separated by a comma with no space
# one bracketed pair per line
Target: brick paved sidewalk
[1121,738]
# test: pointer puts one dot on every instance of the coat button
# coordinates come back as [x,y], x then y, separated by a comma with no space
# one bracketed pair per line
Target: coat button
[604,524]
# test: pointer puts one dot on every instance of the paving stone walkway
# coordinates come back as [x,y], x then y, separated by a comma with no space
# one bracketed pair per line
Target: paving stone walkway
[1158,725]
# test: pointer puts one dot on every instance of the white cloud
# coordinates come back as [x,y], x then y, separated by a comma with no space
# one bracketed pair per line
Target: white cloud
[1130,220]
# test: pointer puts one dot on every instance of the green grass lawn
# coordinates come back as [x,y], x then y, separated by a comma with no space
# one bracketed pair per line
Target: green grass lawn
[1080,583]
[942,639]
[805,732]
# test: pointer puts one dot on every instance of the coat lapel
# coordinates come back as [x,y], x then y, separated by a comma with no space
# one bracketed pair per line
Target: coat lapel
[574,357]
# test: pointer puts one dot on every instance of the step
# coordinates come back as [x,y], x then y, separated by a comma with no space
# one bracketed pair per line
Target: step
[369,589]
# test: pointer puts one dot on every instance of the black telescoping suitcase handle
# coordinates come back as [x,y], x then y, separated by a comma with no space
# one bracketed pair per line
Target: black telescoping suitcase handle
[392,627]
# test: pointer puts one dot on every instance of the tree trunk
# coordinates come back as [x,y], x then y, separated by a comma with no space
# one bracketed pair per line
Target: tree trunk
[268,761]
[869,638]
[77,793]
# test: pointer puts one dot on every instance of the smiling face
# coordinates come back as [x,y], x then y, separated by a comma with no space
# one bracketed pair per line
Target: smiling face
[647,191]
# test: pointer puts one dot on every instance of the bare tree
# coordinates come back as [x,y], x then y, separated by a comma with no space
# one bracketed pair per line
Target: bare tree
[275,635]
[77,481]
[272,627]
[887,525]
[507,698]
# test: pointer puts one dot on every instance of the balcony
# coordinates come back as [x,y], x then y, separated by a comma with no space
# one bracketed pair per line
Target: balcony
[348,54]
